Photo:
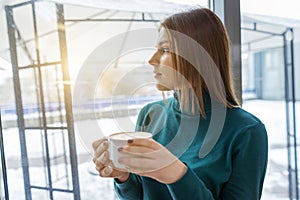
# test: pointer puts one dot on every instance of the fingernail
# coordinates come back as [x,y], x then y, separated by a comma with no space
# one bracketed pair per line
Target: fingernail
[130,141]
[103,156]
[120,148]
[104,143]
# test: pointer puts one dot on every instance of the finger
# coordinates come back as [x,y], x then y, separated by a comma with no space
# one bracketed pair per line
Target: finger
[110,171]
[106,171]
[153,160]
[96,143]
[139,165]
[135,150]
[142,151]
[136,162]
[103,159]
[152,144]
[101,148]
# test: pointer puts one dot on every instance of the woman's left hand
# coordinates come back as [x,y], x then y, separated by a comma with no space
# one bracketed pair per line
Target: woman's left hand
[146,157]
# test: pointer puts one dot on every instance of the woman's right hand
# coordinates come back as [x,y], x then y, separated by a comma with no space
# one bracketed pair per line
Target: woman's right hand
[104,166]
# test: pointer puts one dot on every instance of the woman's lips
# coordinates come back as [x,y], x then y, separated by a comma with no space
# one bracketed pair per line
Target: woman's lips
[157,74]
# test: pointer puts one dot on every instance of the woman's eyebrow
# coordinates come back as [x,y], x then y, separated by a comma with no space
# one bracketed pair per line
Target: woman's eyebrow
[163,42]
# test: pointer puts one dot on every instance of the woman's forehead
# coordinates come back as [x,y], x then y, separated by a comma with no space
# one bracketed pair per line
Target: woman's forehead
[162,37]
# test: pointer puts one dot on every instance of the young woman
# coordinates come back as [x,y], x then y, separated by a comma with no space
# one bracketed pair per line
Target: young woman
[204,145]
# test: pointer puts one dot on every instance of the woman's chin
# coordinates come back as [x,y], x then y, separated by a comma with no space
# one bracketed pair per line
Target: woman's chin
[162,87]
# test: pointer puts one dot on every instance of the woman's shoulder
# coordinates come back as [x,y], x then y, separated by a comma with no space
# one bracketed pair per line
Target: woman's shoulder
[242,117]
[239,122]
[242,126]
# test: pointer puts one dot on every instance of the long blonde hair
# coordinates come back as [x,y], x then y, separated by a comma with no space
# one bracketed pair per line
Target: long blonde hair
[206,29]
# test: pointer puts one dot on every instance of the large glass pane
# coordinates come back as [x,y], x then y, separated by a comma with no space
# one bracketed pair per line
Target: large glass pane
[264,83]
[117,97]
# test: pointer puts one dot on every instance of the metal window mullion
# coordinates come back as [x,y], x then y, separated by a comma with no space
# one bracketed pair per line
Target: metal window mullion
[290,125]
[3,163]
[44,120]
[18,98]
[39,122]
[54,189]
[68,99]
[294,111]
[61,122]
[287,118]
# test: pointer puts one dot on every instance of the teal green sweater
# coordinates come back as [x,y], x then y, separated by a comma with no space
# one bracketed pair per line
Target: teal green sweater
[233,169]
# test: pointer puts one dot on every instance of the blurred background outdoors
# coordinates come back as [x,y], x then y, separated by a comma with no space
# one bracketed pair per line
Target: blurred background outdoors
[72,62]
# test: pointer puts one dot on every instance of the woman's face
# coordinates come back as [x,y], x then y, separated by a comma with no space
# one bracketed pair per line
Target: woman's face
[162,63]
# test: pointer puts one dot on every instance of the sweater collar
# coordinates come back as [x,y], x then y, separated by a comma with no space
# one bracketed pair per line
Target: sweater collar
[206,100]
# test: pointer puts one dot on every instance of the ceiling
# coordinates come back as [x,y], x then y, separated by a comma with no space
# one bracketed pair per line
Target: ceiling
[83,37]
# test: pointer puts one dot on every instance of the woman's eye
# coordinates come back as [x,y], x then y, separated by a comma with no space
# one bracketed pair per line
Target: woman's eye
[165,50]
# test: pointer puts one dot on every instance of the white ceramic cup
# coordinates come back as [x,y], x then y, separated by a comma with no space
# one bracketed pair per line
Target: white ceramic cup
[118,140]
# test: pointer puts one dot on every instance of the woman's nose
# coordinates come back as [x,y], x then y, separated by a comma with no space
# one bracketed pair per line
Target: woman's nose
[154,60]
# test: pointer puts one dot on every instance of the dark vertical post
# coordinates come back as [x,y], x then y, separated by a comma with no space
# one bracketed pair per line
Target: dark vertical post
[40,81]
[294,109]
[3,163]
[18,99]
[229,12]
[210,4]
[290,100]
[68,98]
[61,118]
[286,89]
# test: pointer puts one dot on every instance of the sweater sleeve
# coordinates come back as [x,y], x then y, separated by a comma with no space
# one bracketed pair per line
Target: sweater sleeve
[249,163]
[130,189]
[190,186]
